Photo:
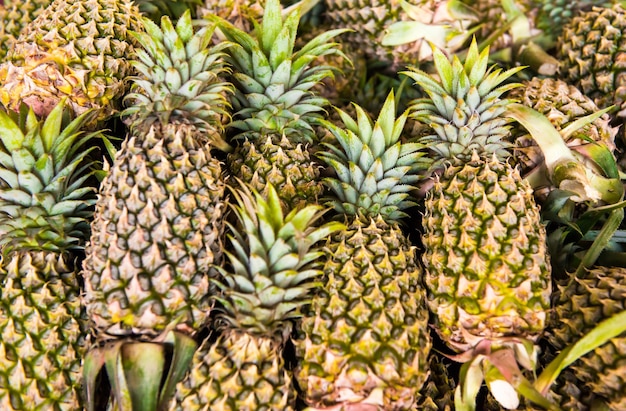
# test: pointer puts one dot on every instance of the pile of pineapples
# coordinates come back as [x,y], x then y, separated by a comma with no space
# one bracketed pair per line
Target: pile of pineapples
[322,205]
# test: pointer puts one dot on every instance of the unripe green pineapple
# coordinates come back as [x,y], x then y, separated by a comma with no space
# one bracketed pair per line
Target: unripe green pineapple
[274,265]
[159,218]
[591,51]
[74,49]
[45,205]
[364,343]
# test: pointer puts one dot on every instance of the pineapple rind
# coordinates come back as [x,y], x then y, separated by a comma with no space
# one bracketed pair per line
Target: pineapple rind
[77,50]
[290,167]
[155,236]
[579,307]
[14,16]
[562,103]
[43,332]
[367,328]
[238,372]
[591,51]
[487,271]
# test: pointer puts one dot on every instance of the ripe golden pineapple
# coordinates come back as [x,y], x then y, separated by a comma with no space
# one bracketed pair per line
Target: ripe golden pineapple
[74,49]
[274,264]
[275,109]
[487,268]
[46,207]
[14,16]
[364,343]
[159,218]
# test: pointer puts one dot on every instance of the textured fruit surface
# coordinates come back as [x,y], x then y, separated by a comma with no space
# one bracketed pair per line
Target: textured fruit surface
[485,254]
[42,333]
[591,51]
[155,236]
[73,49]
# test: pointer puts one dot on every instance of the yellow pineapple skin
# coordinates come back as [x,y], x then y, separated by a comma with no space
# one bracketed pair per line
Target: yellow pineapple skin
[157,232]
[488,273]
[14,16]
[77,50]
[365,342]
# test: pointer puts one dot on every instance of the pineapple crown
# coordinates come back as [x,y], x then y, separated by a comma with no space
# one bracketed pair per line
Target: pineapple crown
[273,83]
[179,77]
[273,262]
[375,170]
[463,107]
[44,201]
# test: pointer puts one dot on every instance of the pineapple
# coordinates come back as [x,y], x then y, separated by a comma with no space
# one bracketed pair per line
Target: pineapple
[552,15]
[365,343]
[438,393]
[73,49]
[14,16]
[562,104]
[275,109]
[372,24]
[487,268]
[274,264]
[591,50]
[579,306]
[159,218]
[238,12]
[46,207]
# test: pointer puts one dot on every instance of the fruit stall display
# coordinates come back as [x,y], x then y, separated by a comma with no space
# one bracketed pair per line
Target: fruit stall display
[330,205]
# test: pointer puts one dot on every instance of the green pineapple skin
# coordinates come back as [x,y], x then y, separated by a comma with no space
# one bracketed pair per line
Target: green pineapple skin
[156,233]
[237,363]
[76,50]
[579,306]
[591,54]
[368,324]
[486,257]
[282,163]
[40,307]
[552,15]
[44,216]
